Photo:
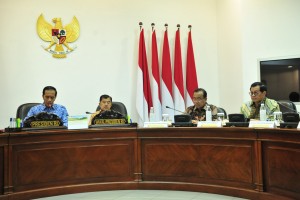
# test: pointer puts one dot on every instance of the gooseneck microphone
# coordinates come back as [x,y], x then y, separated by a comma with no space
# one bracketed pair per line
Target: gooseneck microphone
[88,112]
[175,110]
[290,109]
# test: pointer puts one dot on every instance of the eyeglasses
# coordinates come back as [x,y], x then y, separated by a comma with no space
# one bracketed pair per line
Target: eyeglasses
[254,93]
[198,99]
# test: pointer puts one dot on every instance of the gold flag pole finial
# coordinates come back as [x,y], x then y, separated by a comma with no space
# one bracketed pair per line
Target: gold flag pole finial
[141,25]
[166,25]
[152,25]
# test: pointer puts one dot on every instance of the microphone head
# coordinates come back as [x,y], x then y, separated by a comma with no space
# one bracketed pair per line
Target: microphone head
[167,107]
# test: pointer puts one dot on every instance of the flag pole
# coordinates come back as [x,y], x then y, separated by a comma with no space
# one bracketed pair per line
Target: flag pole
[141,24]
[178,26]
[190,27]
[166,25]
[152,25]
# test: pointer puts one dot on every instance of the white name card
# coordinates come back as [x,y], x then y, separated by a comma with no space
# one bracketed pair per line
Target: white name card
[298,127]
[262,124]
[78,121]
[209,124]
[156,124]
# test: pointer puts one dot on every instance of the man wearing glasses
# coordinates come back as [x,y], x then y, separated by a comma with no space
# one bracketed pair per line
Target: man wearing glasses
[198,110]
[258,92]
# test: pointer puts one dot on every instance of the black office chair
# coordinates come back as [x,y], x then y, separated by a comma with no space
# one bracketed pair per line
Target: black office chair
[222,110]
[287,106]
[117,106]
[24,109]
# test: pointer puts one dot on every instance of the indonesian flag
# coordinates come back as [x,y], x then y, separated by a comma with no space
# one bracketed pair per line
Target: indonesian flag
[166,87]
[143,94]
[191,74]
[155,80]
[178,77]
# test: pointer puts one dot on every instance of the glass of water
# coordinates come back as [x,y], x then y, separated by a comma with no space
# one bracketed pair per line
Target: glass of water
[220,116]
[165,117]
[277,118]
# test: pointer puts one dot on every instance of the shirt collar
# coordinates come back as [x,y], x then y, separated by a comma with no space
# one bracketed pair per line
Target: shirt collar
[53,107]
[263,101]
[203,108]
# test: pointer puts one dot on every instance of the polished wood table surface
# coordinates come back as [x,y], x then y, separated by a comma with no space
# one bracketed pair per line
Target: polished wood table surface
[242,162]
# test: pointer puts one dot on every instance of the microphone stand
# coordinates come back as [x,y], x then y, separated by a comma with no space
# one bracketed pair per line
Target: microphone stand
[176,110]
[290,109]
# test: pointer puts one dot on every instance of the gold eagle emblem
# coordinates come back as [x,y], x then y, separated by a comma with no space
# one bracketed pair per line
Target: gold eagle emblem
[58,35]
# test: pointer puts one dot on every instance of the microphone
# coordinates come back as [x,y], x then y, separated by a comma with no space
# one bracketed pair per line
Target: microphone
[88,112]
[175,110]
[290,109]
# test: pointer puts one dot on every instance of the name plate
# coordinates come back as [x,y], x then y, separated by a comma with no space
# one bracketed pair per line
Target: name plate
[211,124]
[36,124]
[109,121]
[262,124]
[156,124]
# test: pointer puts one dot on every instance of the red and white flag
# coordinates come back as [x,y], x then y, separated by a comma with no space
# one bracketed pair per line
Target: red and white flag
[191,74]
[143,94]
[156,80]
[178,77]
[166,86]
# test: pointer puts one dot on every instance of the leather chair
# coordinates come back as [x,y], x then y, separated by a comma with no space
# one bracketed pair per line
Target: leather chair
[117,106]
[24,109]
[287,106]
[222,110]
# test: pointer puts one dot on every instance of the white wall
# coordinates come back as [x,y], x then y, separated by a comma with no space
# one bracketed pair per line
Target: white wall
[230,54]
[250,31]
[229,38]
[105,60]
[270,30]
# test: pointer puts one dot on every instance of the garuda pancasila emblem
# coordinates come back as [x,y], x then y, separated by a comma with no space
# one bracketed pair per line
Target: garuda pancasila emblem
[58,35]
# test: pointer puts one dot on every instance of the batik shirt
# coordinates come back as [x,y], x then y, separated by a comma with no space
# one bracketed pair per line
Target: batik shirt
[250,111]
[200,113]
[56,109]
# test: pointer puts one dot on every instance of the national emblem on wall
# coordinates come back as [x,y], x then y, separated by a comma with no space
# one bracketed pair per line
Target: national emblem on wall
[58,35]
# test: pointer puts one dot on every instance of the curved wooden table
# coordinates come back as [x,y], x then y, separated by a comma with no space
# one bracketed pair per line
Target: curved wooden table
[241,162]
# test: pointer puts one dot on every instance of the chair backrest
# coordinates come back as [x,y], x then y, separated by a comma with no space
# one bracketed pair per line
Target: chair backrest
[290,117]
[24,109]
[287,106]
[117,106]
[222,110]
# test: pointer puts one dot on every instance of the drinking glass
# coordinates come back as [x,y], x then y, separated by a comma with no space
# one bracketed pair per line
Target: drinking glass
[220,116]
[278,118]
[165,117]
